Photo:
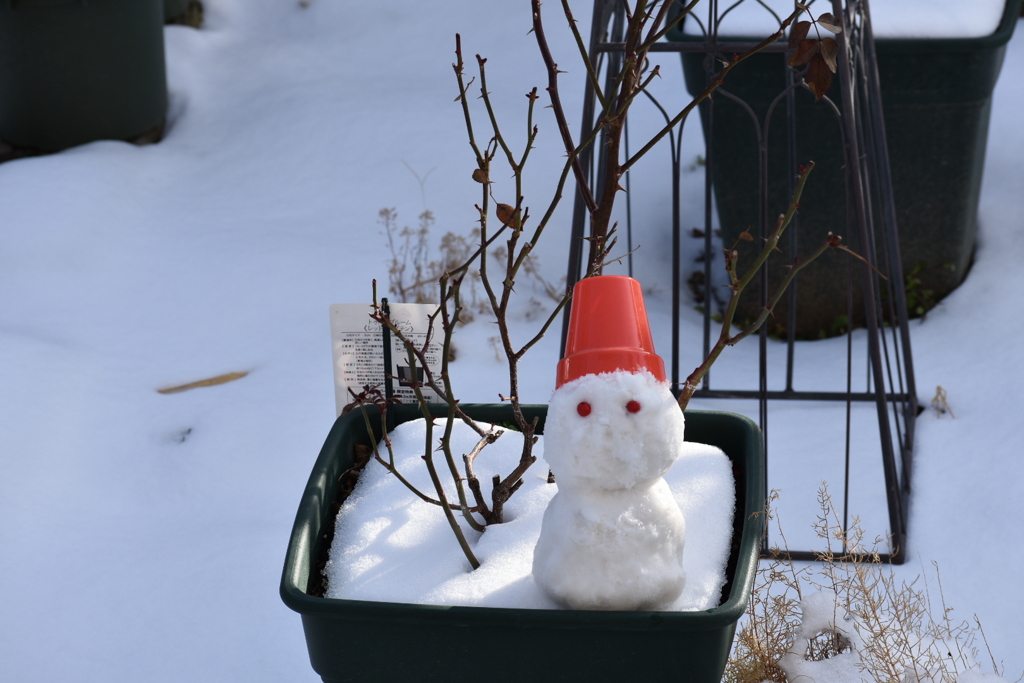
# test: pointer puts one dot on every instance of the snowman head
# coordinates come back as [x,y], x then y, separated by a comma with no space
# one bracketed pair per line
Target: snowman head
[612,423]
[612,431]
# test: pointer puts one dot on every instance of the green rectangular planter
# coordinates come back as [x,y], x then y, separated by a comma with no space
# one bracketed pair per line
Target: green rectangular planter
[936,97]
[352,640]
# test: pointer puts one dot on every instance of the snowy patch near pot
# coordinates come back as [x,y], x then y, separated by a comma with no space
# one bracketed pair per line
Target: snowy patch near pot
[390,546]
[903,19]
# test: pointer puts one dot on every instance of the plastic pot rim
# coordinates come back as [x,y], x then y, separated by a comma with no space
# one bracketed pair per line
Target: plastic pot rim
[728,612]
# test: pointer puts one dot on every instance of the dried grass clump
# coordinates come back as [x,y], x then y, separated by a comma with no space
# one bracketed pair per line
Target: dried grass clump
[415,267]
[412,270]
[875,628]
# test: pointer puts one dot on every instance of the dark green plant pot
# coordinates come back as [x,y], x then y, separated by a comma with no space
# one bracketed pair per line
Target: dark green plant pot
[74,71]
[174,9]
[936,96]
[352,640]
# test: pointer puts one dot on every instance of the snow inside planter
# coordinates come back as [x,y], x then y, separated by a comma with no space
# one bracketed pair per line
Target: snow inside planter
[360,640]
[390,547]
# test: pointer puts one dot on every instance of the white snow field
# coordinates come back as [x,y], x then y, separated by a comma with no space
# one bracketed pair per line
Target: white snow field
[142,534]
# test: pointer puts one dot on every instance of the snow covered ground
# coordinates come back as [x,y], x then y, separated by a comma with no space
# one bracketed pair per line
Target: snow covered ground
[142,534]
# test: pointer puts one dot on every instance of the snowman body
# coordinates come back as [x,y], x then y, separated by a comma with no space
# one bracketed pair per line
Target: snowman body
[612,537]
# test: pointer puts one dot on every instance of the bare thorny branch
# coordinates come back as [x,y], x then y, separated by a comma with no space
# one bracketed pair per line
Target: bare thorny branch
[513,219]
[628,84]
[647,22]
[446,317]
[738,284]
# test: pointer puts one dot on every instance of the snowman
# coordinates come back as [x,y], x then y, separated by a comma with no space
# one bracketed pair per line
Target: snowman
[612,537]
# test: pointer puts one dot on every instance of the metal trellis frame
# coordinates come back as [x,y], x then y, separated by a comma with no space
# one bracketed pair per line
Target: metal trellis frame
[873,284]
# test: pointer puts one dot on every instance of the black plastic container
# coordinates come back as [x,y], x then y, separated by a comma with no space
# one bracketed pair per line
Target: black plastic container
[352,640]
[936,96]
[174,9]
[74,71]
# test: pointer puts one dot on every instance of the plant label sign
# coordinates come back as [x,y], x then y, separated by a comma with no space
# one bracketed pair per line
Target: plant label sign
[358,349]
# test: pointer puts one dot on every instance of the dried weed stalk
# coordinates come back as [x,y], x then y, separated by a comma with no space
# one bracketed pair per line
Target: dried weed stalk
[413,270]
[889,630]
[416,266]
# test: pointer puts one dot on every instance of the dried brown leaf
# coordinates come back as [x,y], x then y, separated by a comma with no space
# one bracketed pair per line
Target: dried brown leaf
[804,52]
[505,214]
[818,77]
[830,23]
[211,382]
[746,236]
[480,175]
[798,33]
[829,52]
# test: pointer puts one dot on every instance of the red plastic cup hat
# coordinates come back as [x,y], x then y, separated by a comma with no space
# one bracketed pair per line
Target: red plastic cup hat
[608,331]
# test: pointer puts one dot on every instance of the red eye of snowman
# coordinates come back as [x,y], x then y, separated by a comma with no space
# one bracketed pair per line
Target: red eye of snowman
[633,407]
[583,409]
